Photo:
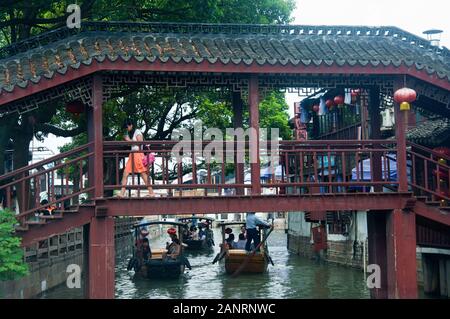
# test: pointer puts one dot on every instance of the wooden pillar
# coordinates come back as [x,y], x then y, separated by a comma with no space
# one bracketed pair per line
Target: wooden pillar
[238,123]
[430,270]
[401,254]
[95,136]
[375,134]
[101,258]
[443,276]
[376,229]
[253,101]
[400,135]
[85,270]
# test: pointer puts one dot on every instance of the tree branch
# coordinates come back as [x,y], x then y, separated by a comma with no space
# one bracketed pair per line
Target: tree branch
[47,128]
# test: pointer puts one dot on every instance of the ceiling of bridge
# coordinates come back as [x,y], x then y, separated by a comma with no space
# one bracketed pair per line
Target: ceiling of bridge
[63,49]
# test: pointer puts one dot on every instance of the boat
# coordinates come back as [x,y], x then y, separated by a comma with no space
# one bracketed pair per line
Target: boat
[156,266]
[238,260]
[199,244]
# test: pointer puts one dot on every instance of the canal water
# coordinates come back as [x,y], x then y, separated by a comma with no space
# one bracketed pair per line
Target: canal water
[292,276]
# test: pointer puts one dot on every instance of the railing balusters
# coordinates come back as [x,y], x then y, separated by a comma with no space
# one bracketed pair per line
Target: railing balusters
[330,188]
[117,168]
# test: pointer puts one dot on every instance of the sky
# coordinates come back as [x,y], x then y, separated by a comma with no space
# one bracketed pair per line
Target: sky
[411,15]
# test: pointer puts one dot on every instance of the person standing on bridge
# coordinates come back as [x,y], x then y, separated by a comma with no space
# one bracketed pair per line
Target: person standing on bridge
[252,232]
[134,163]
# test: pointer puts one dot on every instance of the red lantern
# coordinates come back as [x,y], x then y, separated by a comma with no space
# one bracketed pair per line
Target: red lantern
[316,108]
[329,103]
[405,95]
[75,107]
[339,100]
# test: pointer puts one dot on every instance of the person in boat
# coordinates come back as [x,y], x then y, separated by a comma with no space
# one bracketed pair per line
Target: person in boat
[194,220]
[252,233]
[230,239]
[209,233]
[193,233]
[201,232]
[135,160]
[243,231]
[145,252]
[240,244]
[173,249]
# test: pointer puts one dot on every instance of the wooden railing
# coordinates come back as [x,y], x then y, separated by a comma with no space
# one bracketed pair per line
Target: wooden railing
[429,177]
[334,166]
[304,167]
[22,188]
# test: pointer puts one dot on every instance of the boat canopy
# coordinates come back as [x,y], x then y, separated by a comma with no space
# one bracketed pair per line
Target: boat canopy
[160,222]
[197,218]
[223,223]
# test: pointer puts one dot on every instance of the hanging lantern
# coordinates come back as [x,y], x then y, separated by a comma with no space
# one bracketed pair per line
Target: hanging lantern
[329,104]
[75,107]
[404,97]
[316,108]
[405,106]
[442,161]
[339,100]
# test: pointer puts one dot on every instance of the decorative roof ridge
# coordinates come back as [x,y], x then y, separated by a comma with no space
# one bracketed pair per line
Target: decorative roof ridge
[211,28]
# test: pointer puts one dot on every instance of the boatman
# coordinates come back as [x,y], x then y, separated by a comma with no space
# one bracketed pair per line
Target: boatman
[252,232]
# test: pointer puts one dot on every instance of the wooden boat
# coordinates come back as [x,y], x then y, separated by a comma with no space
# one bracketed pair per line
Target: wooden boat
[238,260]
[199,244]
[156,266]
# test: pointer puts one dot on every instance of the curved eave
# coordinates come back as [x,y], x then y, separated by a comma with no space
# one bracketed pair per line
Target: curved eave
[132,65]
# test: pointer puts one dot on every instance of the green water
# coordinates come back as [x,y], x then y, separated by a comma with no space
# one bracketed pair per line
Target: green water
[291,277]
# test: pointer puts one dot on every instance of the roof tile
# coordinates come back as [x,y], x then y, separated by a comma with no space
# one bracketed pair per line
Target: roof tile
[268,44]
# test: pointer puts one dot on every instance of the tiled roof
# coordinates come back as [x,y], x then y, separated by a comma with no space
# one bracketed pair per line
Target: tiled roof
[62,49]
[431,132]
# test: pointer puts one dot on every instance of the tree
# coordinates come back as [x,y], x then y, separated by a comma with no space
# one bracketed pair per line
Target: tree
[20,19]
[12,265]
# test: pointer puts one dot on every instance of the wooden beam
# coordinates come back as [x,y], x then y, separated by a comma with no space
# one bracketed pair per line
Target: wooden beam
[265,203]
[253,102]
[218,67]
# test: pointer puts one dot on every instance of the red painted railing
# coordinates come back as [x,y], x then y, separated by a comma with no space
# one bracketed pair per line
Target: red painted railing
[304,167]
[335,166]
[432,237]
[62,179]
[428,177]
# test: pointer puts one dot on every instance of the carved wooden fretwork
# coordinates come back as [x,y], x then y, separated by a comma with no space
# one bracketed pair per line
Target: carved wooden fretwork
[115,84]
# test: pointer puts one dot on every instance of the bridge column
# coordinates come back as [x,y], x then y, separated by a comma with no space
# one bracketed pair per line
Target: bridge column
[95,135]
[253,101]
[375,133]
[238,124]
[101,258]
[376,230]
[400,135]
[401,254]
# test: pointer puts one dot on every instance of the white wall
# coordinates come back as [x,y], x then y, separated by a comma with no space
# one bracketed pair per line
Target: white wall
[297,225]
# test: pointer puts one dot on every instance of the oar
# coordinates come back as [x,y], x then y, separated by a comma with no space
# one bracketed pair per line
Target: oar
[249,256]
[219,256]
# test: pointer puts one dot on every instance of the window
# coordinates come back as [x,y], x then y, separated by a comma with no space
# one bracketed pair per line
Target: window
[339,223]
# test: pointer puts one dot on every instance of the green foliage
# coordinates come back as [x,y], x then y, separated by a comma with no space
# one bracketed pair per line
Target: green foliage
[158,113]
[273,113]
[12,265]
